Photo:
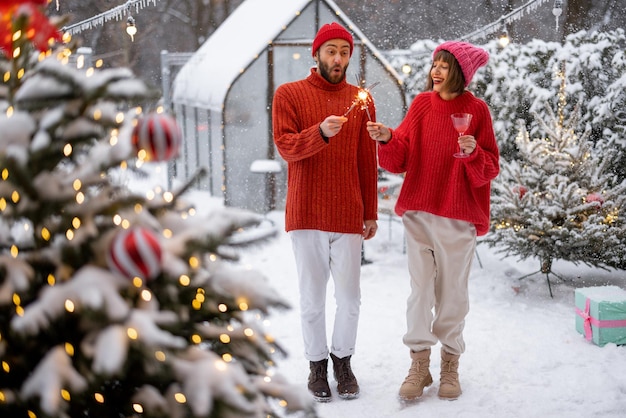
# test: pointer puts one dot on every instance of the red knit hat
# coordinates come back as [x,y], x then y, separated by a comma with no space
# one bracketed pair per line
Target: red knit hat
[331,31]
[469,57]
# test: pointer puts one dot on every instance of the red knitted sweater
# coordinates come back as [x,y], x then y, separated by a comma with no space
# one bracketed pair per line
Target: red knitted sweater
[331,185]
[435,181]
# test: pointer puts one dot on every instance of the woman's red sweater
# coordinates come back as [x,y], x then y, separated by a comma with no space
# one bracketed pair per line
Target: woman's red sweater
[436,182]
[331,184]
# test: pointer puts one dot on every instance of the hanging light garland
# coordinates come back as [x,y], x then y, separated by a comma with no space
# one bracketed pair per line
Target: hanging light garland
[504,39]
[131,29]
[515,15]
[116,13]
[557,9]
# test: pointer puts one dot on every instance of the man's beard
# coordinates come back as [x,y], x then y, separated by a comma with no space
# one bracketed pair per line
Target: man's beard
[326,72]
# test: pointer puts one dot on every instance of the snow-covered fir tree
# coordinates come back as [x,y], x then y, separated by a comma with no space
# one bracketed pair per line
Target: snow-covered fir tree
[560,200]
[112,303]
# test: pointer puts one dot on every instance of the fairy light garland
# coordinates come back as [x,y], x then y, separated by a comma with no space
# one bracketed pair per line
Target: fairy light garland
[504,20]
[560,74]
[117,13]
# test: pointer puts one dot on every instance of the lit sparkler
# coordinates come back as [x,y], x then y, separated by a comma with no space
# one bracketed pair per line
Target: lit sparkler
[362,99]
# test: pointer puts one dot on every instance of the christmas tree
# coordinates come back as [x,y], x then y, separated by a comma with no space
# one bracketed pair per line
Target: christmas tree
[560,200]
[114,304]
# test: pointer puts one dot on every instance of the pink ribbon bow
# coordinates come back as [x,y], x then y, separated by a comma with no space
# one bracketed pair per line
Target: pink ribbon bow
[588,321]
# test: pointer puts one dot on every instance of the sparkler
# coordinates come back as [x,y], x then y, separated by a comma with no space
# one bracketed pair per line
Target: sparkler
[362,99]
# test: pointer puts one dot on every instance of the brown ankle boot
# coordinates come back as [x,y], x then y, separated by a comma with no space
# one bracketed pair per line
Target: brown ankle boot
[449,387]
[347,386]
[318,380]
[419,376]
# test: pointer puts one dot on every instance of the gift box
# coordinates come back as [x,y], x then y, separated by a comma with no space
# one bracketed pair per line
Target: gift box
[601,314]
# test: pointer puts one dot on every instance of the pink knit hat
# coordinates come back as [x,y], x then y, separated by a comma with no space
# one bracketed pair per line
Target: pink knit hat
[469,57]
[331,31]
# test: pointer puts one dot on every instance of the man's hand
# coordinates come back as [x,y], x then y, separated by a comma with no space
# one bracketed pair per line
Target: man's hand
[369,230]
[332,125]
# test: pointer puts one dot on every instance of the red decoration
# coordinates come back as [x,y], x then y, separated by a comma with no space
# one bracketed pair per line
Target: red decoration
[135,252]
[158,135]
[595,197]
[37,30]
[520,190]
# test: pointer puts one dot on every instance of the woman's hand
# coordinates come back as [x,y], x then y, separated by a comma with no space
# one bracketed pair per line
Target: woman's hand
[378,131]
[467,143]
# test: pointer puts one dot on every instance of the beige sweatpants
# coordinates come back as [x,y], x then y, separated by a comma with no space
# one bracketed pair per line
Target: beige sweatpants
[440,253]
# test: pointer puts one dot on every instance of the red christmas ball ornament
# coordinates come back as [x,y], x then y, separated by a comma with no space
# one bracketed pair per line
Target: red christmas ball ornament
[595,197]
[158,135]
[519,190]
[135,252]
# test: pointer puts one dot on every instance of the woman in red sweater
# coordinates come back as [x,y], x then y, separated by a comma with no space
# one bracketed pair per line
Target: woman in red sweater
[444,205]
[331,202]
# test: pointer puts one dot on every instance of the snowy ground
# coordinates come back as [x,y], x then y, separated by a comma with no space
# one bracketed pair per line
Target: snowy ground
[524,357]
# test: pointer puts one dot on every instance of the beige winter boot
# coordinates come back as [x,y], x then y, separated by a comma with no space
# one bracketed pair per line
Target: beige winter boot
[449,387]
[419,376]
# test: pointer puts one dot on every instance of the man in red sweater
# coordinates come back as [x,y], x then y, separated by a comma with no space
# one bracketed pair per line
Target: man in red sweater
[331,201]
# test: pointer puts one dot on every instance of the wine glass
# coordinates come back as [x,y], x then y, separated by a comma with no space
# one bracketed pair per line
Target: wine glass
[461,122]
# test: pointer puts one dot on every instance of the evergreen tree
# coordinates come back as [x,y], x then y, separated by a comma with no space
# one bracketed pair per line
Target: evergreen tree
[560,199]
[114,304]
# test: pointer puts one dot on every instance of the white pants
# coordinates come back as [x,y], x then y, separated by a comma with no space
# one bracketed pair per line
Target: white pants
[319,255]
[440,253]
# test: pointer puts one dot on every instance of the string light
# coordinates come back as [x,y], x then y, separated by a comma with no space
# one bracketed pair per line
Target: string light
[69,305]
[132,333]
[494,27]
[504,39]
[131,29]
[556,11]
[560,74]
[116,13]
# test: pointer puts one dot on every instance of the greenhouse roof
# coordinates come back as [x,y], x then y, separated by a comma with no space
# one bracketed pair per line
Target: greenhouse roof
[205,79]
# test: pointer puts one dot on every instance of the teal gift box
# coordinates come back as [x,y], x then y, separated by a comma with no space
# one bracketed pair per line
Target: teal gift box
[601,314]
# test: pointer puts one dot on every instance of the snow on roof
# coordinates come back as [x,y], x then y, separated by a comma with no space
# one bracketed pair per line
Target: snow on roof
[205,79]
